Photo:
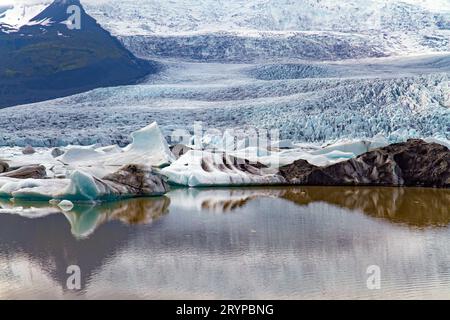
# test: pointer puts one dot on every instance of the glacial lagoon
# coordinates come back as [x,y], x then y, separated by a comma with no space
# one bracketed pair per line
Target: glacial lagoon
[252,243]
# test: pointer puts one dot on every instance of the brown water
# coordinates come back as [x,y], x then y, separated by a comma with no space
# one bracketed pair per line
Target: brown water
[257,243]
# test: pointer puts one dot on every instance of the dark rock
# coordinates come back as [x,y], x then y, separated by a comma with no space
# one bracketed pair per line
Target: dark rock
[412,163]
[3,166]
[28,150]
[136,180]
[422,164]
[27,172]
[298,172]
[56,152]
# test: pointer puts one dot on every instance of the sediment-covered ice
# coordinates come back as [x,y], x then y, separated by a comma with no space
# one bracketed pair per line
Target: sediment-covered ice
[82,186]
[220,166]
[203,168]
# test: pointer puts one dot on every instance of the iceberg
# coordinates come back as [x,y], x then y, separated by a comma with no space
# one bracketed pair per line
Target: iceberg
[38,189]
[65,205]
[249,166]
[129,181]
[88,173]
[203,168]
[148,148]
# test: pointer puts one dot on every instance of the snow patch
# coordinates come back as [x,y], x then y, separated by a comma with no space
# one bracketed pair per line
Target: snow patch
[21,13]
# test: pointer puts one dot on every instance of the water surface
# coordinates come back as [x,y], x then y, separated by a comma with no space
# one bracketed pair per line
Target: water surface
[252,243]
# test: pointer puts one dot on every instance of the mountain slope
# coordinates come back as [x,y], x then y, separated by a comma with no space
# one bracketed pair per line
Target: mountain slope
[44,59]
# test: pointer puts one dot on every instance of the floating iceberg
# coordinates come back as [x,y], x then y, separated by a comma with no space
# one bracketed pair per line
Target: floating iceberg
[89,173]
[65,205]
[37,189]
[149,148]
[129,181]
[249,166]
[203,168]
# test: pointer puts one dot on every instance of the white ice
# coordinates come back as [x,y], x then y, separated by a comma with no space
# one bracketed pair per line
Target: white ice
[148,148]
[80,169]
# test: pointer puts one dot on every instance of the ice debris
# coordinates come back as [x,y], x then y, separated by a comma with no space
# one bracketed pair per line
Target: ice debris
[65,205]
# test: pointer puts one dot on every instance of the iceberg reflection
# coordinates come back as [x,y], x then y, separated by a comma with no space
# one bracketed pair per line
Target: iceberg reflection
[85,218]
[418,207]
[231,243]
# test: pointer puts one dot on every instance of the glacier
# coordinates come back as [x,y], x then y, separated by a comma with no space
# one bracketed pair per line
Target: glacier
[308,102]
[236,30]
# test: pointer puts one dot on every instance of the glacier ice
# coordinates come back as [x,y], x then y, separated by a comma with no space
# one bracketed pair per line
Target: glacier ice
[262,29]
[90,173]
[148,147]
[37,189]
[224,167]
[399,98]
